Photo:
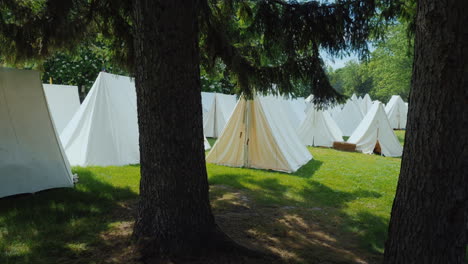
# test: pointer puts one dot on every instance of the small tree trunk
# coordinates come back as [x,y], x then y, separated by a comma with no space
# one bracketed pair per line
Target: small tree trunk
[430,211]
[174,213]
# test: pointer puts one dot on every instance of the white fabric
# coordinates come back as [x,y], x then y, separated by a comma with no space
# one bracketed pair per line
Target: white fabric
[309,102]
[334,110]
[397,112]
[349,117]
[295,110]
[258,135]
[31,157]
[366,104]
[218,115]
[376,127]
[63,102]
[104,131]
[319,129]
[207,144]
[207,101]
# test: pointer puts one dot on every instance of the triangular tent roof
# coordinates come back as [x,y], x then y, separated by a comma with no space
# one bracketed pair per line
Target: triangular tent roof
[63,101]
[31,157]
[319,129]
[365,104]
[397,112]
[258,135]
[349,117]
[374,128]
[104,131]
[218,115]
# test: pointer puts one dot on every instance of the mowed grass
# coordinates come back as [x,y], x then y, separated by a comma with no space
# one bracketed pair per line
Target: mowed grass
[346,197]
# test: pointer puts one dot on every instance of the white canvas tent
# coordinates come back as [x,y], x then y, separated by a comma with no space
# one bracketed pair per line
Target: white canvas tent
[349,117]
[31,157]
[319,129]
[206,143]
[207,100]
[296,110]
[218,115]
[334,110]
[258,135]
[374,128]
[63,102]
[104,131]
[365,104]
[397,112]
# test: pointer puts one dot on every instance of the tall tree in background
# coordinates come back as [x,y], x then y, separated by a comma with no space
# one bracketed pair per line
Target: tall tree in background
[385,73]
[391,63]
[267,47]
[430,212]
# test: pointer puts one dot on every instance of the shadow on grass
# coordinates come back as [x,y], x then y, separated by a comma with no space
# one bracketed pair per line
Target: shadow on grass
[61,224]
[310,227]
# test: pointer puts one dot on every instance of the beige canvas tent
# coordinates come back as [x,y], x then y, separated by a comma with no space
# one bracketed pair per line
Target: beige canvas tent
[375,132]
[258,135]
[31,157]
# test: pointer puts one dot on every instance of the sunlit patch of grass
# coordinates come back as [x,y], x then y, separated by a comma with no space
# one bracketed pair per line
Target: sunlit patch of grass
[341,193]
[17,249]
[77,247]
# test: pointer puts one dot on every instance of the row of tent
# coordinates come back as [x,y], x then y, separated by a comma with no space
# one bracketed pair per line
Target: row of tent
[267,133]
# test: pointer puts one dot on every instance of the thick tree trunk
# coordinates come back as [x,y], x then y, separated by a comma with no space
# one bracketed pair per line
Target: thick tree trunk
[174,214]
[430,211]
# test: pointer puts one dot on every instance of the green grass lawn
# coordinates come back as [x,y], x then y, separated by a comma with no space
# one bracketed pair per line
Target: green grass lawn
[335,208]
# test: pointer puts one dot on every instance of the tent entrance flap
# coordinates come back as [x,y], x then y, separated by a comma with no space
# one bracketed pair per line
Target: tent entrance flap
[247,133]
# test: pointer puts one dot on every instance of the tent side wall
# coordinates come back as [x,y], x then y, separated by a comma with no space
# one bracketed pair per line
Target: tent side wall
[279,145]
[63,102]
[319,129]
[218,115]
[104,131]
[31,158]
[349,117]
[376,127]
[229,148]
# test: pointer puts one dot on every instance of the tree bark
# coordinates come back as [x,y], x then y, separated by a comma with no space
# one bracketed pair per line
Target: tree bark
[174,213]
[430,210]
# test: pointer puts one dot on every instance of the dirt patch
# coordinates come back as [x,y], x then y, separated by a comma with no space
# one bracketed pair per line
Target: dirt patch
[293,234]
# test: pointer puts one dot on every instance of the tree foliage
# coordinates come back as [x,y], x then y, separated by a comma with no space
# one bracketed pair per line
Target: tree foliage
[81,67]
[386,73]
[268,46]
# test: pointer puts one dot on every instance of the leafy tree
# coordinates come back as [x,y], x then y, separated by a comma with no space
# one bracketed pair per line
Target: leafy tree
[80,67]
[352,79]
[387,72]
[391,65]
[267,47]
